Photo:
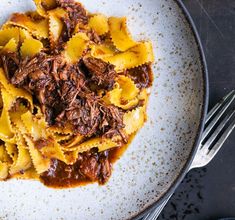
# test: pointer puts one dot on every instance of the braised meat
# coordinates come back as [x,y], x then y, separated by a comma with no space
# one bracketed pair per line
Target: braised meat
[102,73]
[142,76]
[90,166]
[66,93]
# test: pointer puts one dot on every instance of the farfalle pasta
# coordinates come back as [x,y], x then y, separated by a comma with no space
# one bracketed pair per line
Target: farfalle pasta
[73,91]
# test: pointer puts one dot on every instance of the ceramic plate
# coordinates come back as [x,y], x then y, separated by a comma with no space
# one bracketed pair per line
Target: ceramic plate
[157,158]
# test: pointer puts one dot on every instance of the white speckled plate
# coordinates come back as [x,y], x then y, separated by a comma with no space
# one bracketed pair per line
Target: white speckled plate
[157,159]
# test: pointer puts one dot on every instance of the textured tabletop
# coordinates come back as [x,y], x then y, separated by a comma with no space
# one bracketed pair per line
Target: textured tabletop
[209,193]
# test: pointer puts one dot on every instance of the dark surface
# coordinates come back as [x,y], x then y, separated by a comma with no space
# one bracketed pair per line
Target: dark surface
[209,193]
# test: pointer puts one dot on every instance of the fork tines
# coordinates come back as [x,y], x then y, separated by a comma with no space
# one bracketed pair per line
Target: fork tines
[221,121]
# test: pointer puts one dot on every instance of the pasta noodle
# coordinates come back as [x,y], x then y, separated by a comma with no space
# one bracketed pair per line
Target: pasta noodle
[40,163]
[75,47]
[134,120]
[7,34]
[120,34]
[40,6]
[100,143]
[6,132]
[102,51]
[31,47]
[37,28]
[11,46]
[136,56]
[3,170]
[55,25]
[23,161]
[13,92]
[99,23]
[124,95]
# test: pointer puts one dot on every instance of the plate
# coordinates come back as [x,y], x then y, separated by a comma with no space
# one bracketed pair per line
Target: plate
[159,155]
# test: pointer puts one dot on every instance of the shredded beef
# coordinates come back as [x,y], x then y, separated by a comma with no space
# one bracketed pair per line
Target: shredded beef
[76,11]
[90,167]
[93,36]
[142,76]
[105,168]
[102,73]
[68,94]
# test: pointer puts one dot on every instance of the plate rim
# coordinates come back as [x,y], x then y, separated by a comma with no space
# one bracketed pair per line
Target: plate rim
[205,81]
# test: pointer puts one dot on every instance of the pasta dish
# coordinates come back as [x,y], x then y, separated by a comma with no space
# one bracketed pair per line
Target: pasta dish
[73,92]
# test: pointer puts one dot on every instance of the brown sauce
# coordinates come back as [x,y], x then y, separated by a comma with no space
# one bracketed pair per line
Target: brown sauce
[57,176]
[61,175]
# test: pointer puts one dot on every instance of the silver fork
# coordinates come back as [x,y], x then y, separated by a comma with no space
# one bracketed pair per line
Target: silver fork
[208,148]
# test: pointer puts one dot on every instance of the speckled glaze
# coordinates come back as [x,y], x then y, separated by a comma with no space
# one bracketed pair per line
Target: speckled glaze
[161,150]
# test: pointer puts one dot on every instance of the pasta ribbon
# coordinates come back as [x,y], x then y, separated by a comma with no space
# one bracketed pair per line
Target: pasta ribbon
[53,151]
[128,87]
[3,170]
[23,161]
[12,151]
[9,33]
[75,47]
[40,9]
[99,142]
[30,47]
[24,34]
[32,126]
[44,5]
[37,28]
[55,24]
[102,51]
[40,163]
[14,92]
[6,131]
[37,129]
[119,33]
[114,97]
[99,23]
[11,46]
[16,120]
[8,27]
[28,174]
[60,131]
[73,141]
[134,120]
[4,157]
[136,56]
[124,95]
[71,156]
[62,138]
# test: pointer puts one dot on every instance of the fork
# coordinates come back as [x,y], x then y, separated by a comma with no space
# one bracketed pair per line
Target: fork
[212,140]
